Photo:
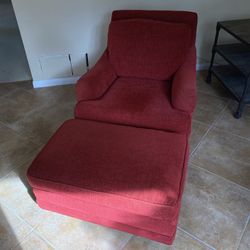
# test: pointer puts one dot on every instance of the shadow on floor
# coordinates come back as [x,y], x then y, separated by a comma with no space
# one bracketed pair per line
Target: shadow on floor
[7,236]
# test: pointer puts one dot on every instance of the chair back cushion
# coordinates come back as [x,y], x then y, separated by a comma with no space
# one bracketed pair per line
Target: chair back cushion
[147,48]
[174,16]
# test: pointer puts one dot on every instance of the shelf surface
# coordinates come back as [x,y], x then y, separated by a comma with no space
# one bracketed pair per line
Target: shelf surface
[239,28]
[233,80]
[237,54]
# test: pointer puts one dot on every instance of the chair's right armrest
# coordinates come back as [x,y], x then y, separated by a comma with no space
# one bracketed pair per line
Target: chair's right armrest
[96,82]
[184,84]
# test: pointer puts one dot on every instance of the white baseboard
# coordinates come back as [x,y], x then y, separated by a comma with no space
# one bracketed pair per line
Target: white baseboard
[55,82]
[73,79]
[202,66]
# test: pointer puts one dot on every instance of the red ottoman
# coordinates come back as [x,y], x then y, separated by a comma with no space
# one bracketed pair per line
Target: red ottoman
[133,176]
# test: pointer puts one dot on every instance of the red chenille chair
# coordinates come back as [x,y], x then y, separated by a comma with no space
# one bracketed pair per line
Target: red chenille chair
[122,161]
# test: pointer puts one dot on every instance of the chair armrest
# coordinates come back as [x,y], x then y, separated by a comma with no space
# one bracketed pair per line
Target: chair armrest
[184,84]
[95,82]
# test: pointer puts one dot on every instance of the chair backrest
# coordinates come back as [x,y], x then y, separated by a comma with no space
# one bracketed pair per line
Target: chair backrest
[150,44]
[187,17]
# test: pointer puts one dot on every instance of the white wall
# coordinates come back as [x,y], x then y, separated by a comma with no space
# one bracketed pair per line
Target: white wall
[51,29]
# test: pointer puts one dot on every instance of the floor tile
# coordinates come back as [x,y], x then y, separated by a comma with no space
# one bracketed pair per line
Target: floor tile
[226,155]
[198,131]
[14,150]
[208,107]
[214,209]
[12,229]
[17,104]
[23,97]
[80,234]
[56,95]
[7,88]
[245,241]
[33,241]
[214,89]
[36,127]
[240,126]
[39,126]
[16,193]
[182,241]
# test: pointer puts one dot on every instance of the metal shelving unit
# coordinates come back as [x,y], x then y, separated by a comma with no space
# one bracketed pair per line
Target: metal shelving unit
[235,74]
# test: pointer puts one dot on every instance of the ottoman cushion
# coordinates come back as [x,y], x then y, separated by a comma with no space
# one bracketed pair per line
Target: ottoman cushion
[134,176]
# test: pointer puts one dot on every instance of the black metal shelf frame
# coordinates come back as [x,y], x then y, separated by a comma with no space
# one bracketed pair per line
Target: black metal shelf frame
[236,75]
[232,80]
[237,55]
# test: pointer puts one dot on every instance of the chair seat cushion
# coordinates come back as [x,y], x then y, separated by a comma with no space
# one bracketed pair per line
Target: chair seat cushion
[136,102]
[121,167]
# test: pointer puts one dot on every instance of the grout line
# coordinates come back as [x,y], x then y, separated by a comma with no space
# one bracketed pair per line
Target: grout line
[210,172]
[4,124]
[27,161]
[23,136]
[125,244]
[241,137]
[195,149]
[210,128]
[38,235]
[21,219]
[12,210]
[33,228]
[29,139]
[196,238]
[21,241]
[43,238]
[242,233]
[230,133]
[6,95]
[6,176]
[201,123]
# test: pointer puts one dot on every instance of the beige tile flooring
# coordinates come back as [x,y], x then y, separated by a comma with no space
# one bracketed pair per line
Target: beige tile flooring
[216,204]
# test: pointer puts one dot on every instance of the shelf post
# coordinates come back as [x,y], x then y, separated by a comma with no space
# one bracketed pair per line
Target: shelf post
[242,103]
[209,75]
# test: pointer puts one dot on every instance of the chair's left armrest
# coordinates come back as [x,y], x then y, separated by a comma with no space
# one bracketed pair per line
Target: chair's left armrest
[184,84]
[96,82]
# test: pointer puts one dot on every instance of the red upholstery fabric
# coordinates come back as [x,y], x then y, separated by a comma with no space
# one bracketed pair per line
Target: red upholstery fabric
[143,102]
[136,102]
[88,166]
[107,222]
[126,152]
[166,226]
[184,84]
[90,145]
[97,81]
[186,17]
[146,48]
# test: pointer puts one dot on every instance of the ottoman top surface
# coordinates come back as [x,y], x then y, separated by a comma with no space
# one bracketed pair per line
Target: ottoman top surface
[141,164]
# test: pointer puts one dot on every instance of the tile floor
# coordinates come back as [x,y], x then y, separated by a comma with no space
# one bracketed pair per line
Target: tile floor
[216,204]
